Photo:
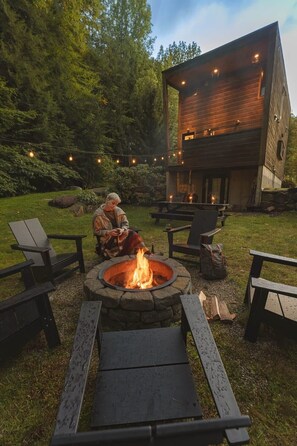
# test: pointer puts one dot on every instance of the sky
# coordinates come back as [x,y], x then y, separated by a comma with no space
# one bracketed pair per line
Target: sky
[212,23]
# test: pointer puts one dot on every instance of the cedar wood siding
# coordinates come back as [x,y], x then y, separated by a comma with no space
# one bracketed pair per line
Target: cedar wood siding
[218,106]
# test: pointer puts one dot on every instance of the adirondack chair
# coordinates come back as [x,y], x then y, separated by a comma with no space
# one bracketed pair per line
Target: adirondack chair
[35,244]
[202,230]
[27,313]
[145,393]
[269,302]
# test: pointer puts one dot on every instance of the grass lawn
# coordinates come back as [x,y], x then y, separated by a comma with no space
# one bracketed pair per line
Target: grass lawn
[263,375]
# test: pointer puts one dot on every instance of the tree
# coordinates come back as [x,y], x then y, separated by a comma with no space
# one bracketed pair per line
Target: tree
[48,62]
[177,53]
[291,160]
[173,55]
[124,46]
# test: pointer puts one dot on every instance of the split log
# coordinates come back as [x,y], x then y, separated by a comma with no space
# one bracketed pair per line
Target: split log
[225,315]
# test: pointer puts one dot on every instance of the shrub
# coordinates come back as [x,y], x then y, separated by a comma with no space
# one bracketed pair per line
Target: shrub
[288,182]
[20,174]
[141,184]
[89,198]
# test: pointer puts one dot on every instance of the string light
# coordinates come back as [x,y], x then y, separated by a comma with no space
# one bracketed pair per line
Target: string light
[117,157]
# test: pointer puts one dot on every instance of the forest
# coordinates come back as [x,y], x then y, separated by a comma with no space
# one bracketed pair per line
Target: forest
[81,92]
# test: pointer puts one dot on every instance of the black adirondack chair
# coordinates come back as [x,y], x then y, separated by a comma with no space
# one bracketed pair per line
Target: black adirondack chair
[25,314]
[145,394]
[270,303]
[35,244]
[202,230]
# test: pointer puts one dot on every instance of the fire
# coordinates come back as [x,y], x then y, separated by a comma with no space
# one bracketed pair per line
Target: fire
[143,275]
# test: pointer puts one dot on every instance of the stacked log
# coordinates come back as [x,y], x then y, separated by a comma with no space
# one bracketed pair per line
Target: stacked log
[216,309]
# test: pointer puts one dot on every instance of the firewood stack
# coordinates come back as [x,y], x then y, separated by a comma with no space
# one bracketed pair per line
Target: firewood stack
[216,309]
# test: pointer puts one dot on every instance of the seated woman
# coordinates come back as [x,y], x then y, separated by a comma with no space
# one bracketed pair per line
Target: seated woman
[111,227]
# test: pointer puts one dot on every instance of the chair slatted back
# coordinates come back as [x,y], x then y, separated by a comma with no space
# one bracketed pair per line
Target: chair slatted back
[203,221]
[31,233]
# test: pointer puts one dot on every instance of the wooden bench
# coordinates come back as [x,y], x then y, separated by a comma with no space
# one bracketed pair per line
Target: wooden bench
[145,394]
[270,302]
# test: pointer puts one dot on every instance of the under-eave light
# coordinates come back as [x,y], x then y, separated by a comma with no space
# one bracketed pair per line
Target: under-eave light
[256,58]
[215,72]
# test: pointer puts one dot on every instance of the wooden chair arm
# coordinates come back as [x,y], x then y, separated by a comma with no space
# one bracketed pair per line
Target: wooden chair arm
[26,296]
[180,228]
[77,374]
[274,258]
[66,237]
[5,272]
[29,248]
[211,233]
[194,320]
[257,263]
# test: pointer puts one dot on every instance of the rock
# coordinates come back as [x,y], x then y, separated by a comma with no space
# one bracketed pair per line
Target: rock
[270,209]
[78,209]
[65,201]
[100,191]
[75,188]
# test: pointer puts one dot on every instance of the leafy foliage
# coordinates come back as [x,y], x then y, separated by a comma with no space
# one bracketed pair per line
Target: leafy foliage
[291,160]
[79,76]
[178,53]
[141,184]
[88,197]
[20,174]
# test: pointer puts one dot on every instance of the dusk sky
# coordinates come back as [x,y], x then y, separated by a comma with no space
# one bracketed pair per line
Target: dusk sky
[212,23]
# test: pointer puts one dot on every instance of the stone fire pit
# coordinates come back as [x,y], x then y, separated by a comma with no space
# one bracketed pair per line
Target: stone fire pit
[127,309]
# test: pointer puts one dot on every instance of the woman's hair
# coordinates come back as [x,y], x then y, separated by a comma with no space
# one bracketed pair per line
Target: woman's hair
[113,196]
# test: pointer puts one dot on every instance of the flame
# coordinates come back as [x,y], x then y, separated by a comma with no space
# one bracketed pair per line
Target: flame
[142,276]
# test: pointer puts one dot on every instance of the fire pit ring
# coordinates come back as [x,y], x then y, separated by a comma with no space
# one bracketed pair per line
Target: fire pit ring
[124,308]
[107,272]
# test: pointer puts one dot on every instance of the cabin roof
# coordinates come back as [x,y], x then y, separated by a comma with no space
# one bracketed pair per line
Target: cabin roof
[231,57]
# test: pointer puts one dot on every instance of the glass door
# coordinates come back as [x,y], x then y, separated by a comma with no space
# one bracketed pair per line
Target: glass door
[215,189]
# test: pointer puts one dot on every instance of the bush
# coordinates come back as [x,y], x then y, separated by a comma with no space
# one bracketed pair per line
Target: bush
[89,198]
[141,184]
[288,182]
[20,174]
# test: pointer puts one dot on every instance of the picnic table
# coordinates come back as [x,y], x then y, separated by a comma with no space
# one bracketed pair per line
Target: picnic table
[181,210]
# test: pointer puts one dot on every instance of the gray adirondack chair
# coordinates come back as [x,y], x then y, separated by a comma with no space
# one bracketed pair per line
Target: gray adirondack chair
[35,244]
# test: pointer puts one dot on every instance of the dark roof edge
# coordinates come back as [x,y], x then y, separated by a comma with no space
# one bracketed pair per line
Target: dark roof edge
[223,48]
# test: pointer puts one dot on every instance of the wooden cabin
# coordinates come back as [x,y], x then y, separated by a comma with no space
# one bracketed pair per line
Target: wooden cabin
[233,119]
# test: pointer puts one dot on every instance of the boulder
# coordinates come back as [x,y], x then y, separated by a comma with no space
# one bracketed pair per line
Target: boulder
[65,201]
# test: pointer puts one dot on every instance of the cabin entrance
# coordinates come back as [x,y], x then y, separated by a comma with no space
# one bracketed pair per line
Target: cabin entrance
[215,189]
